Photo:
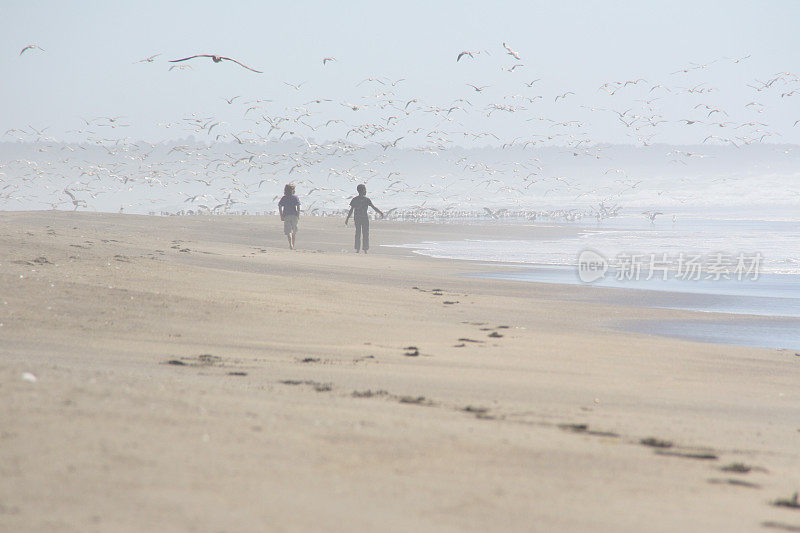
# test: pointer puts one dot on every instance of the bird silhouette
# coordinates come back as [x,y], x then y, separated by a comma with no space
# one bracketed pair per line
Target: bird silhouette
[216,59]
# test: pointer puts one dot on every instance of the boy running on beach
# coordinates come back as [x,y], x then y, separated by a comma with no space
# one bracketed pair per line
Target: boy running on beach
[358,208]
[289,209]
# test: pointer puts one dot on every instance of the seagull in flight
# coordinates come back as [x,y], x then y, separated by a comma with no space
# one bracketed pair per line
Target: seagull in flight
[148,59]
[478,89]
[511,52]
[464,53]
[326,59]
[652,215]
[216,59]
[75,201]
[738,59]
[31,47]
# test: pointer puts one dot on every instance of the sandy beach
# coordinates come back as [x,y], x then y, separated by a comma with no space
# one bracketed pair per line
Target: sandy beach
[194,374]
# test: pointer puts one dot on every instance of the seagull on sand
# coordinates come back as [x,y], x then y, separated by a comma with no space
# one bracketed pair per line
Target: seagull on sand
[216,59]
[31,47]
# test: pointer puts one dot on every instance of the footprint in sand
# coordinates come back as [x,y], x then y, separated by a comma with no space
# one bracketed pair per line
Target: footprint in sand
[479,412]
[781,526]
[369,393]
[584,429]
[319,387]
[655,443]
[689,455]
[734,482]
[741,468]
[415,400]
[202,360]
[792,503]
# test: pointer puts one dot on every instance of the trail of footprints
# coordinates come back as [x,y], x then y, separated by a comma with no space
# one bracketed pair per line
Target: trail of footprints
[732,472]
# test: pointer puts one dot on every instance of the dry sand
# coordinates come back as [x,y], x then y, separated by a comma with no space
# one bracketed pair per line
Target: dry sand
[292,402]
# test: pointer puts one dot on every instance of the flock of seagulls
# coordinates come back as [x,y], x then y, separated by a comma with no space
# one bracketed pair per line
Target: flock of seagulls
[406,149]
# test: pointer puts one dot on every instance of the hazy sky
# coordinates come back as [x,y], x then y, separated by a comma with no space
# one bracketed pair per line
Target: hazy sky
[89,69]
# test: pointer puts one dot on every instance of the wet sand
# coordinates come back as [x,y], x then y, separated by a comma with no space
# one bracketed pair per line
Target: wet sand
[192,373]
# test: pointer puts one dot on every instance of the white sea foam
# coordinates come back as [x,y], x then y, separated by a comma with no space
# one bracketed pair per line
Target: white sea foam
[776,241]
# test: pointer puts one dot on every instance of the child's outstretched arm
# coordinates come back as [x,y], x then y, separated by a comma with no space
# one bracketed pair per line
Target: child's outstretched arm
[376,209]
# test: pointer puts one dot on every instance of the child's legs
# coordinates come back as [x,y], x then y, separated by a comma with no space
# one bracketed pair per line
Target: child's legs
[362,234]
[290,228]
[365,235]
[358,236]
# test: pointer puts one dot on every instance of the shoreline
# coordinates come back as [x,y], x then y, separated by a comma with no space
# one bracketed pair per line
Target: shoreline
[195,373]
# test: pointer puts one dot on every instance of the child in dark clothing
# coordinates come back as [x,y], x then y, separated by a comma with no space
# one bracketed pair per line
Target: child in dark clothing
[289,209]
[358,209]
